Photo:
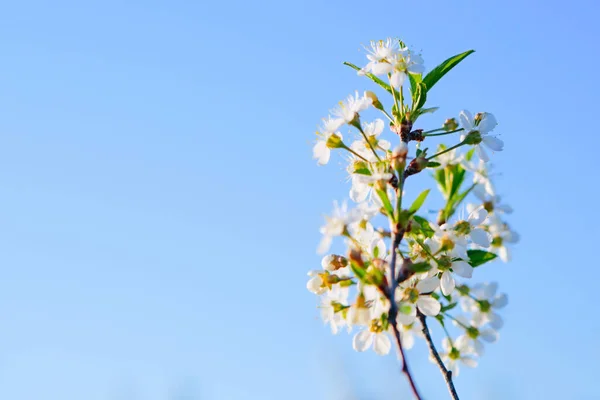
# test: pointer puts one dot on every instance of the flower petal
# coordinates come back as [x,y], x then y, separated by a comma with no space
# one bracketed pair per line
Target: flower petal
[489,335]
[321,152]
[408,340]
[480,237]
[362,340]
[462,268]
[428,305]
[469,362]
[495,320]
[447,283]
[466,120]
[500,301]
[493,143]
[382,344]
[428,285]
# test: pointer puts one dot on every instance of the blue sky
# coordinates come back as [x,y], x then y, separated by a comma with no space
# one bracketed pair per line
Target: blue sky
[160,208]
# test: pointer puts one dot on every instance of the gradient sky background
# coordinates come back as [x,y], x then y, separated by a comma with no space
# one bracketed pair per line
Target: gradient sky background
[160,207]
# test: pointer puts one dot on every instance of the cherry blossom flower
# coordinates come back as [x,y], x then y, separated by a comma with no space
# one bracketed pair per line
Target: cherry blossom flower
[482,125]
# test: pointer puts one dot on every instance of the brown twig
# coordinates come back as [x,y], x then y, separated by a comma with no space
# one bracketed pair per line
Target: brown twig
[393,314]
[446,373]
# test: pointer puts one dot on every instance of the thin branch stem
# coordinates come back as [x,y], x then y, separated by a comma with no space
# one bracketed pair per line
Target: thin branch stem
[396,239]
[357,126]
[447,374]
[456,146]
[441,134]
[355,153]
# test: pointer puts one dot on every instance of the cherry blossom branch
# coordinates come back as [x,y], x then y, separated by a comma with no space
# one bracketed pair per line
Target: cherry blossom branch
[447,374]
[393,313]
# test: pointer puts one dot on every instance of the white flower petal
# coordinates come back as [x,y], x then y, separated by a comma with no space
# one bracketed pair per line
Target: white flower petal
[482,154]
[447,283]
[382,344]
[493,143]
[500,301]
[466,120]
[462,268]
[325,244]
[476,215]
[488,123]
[362,340]
[428,285]
[428,305]
[489,335]
[480,237]
[408,340]
[321,152]
[469,362]
[495,320]
[477,347]
[504,254]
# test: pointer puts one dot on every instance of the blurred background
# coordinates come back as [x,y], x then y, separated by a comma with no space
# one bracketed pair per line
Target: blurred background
[159,208]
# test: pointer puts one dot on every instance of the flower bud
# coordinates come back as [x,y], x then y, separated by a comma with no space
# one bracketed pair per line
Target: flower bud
[450,124]
[375,101]
[473,137]
[399,157]
[421,162]
[335,141]
[333,262]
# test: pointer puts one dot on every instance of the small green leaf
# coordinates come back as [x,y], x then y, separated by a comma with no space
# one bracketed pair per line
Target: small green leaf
[440,177]
[362,171]
[420,97]
[372,77]
[358,271]
[448,307]
[479,257]
[433,164]
[424,226]
[428,110]
[420,267]
[458,177]
[418,201]
[414,81]
[438,72]
[469,154]
[387,205]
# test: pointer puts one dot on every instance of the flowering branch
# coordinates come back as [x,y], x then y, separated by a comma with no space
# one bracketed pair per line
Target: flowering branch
[390,296]
[447,374]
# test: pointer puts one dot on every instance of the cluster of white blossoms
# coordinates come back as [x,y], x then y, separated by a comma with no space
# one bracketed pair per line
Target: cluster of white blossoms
[403,264]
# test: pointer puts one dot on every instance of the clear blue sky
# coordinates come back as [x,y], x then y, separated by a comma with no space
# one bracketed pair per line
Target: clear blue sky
[160,208]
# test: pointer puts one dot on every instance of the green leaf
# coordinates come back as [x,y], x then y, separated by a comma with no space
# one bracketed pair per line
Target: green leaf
[455,202]
[372,77]
[479,257]
[440,177]
[414,81]
[433,164]
[418,201]
[438,72]
[362,171]
[428,110]
[420,267]
[424,226]
[419,97]
[386,202]
[359,272]
[469,154]
[448,307]
[458,177]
